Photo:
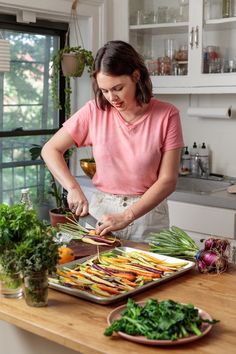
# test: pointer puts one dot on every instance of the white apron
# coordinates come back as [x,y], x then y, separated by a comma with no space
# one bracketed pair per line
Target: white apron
[139,230]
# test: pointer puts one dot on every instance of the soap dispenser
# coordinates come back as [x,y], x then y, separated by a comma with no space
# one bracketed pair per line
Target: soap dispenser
[194,157]
[194,149]
[204,157]
[185,162]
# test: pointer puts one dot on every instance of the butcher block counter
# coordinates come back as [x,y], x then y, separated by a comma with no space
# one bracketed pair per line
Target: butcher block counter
[77,325]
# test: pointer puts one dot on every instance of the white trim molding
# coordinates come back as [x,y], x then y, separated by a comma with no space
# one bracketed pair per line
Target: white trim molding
[60,10]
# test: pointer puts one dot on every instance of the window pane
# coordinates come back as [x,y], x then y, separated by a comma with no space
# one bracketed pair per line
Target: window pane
[26,103]
[27,99]
[18,170]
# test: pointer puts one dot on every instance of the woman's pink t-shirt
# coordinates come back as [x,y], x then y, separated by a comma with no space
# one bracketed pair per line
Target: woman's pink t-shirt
[127,155]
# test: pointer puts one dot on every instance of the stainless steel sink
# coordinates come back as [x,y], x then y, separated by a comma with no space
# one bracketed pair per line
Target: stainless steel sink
[200,185]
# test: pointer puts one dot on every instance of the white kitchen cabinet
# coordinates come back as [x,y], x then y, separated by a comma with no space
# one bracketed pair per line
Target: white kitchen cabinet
[197,26]
[199,220]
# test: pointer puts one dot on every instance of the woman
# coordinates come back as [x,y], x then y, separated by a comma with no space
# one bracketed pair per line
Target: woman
[136,141]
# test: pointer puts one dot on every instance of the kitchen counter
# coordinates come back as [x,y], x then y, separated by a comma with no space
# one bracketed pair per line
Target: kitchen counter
[78,325]
[220,199]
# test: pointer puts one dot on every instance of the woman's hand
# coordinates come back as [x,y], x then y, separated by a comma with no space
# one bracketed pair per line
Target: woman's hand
[77,202]
[114,222]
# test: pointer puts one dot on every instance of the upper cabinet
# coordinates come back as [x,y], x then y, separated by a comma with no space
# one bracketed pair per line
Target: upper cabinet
[189,46]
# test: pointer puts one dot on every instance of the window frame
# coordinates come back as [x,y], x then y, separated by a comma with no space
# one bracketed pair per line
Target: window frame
[8,22]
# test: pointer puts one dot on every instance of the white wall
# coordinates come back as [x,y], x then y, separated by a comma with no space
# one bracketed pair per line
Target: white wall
[218,134]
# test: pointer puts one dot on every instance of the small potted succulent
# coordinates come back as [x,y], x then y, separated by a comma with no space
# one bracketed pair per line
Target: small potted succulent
[71,62]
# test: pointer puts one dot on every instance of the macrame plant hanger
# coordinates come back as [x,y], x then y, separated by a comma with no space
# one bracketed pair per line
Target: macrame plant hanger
[74,20]
[71,63]
[74,58]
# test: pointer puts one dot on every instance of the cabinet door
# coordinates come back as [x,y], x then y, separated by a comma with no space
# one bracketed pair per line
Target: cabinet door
[159,31]
[212,50]
[204,59]
[203,219]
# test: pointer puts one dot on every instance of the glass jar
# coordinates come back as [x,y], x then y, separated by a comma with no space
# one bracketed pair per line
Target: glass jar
[226,8]
[183,10]
[164,66]
[36,289]
[10,285]
[182,53]
[213,52]
[152,66]
[162,12]
[212,9]
[170,48]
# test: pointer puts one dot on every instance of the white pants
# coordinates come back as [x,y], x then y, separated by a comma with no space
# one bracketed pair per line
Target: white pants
[139,230]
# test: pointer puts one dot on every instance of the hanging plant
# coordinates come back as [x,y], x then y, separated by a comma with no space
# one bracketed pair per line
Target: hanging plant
[71,62]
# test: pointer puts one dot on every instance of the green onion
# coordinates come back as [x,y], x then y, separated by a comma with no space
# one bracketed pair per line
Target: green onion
[173,242]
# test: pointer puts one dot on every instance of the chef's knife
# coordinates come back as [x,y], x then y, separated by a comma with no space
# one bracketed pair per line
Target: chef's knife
[88,221]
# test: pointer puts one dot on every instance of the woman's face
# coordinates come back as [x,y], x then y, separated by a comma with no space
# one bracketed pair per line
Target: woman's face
[119,90]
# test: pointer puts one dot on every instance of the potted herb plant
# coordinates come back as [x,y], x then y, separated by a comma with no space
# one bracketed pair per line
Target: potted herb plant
[37,256]
[15,221]
[71,62]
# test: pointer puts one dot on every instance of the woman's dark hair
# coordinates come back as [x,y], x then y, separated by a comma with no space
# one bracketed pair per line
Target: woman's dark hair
[120,58]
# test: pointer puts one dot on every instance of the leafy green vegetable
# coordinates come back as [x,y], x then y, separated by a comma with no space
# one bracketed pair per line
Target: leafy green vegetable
[37,252]
[164,320]
[15,223]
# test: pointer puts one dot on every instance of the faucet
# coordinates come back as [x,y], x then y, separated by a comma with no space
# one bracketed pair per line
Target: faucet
[199,169]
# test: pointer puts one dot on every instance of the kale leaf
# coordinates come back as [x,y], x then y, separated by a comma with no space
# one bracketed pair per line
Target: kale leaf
[166,320]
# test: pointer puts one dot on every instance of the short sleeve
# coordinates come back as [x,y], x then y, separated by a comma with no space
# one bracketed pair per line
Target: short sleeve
[78,125]
[173,133]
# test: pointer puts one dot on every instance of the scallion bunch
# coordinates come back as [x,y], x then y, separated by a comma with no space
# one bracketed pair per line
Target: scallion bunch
[173,242]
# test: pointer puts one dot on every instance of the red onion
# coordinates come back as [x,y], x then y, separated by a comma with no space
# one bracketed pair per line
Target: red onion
[222,245]
[211,261]
[217,244]
[209,243]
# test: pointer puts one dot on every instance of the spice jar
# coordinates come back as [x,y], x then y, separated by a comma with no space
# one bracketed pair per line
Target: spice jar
[182,53]
[164,66]
[212,52]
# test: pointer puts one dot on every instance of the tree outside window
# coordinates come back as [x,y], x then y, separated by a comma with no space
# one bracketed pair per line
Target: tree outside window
[27,112]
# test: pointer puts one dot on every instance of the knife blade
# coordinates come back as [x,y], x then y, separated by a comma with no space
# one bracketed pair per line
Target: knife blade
[88,221]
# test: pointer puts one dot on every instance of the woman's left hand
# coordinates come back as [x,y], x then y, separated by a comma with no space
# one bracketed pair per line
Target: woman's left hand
[114,222]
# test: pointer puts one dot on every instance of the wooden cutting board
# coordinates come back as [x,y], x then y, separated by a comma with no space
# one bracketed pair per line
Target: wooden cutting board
[82,249]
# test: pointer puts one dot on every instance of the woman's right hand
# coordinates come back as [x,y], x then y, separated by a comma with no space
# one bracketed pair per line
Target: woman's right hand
[77,202]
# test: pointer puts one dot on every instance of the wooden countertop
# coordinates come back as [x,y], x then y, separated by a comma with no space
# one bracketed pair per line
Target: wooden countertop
[79,324]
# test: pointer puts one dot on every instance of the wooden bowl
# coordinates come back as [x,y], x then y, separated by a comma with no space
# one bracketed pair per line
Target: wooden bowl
[88,166]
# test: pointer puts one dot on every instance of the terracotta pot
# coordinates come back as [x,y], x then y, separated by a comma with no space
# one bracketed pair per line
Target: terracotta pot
[57,217]
[72,64]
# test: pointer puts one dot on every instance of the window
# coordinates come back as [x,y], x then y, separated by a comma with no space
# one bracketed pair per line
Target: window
[27,112]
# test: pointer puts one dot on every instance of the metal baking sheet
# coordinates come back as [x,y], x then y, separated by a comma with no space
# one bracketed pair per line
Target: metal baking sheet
[116,298]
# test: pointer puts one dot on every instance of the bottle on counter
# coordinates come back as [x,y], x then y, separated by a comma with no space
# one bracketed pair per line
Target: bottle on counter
[194,156]
[25,198]
[185,162]
[204,158]
[226,8]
